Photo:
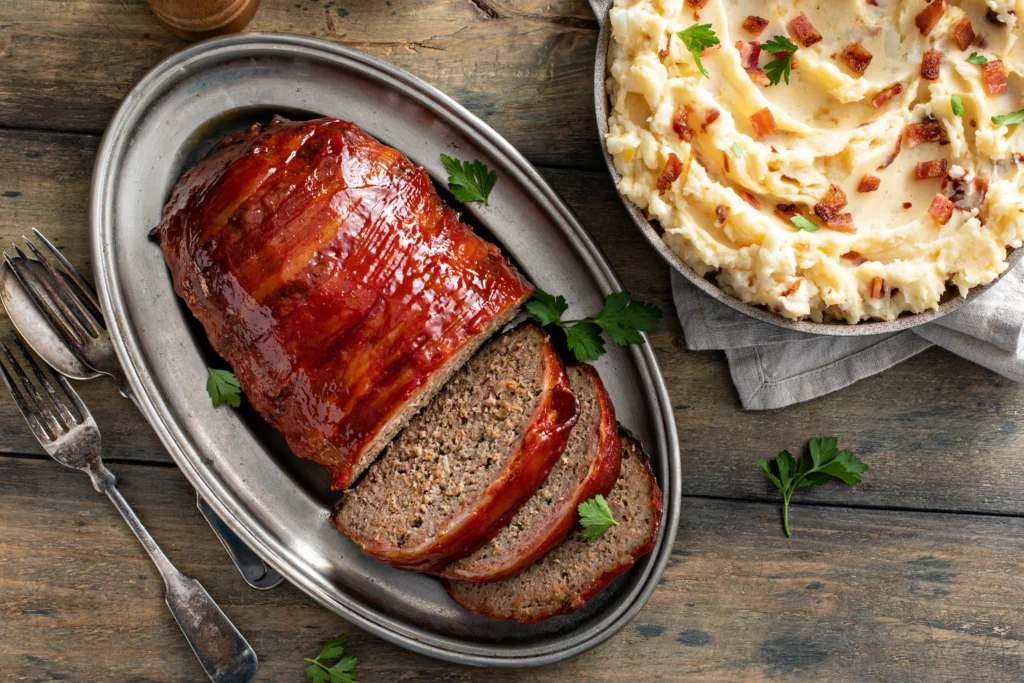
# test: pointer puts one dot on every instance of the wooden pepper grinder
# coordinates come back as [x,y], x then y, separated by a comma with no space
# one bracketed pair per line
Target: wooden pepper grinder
[199,19]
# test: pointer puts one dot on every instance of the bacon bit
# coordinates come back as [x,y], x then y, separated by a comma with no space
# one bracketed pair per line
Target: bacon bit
[994,75]
[754,25]
[725,161]
[993,16]
[857,57]
[763,122]
[696,4]
[885,95]
[749,199]
[792,289]
[869,183]
[750,53]
[930,131]
[941,209]
[1018,158]
[804,31]
[930,64]
[758,76]
[895,153]
[855,257]
[680,124]
[673,167]
[662,54]
[831,204]
[964,33]
[930,169]
[774,151]
[786,211]
[842,223]
[721,214]
[981,187]
[873,3]
[877,288]
[907,205]
[929,16]
[710,117]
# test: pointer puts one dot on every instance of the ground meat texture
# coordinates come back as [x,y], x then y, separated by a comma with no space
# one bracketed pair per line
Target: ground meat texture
[755,25]
[930,169]
[877,288]
[869,183]
[964,34]
[857,58]
[927,18]
[831,204]
[763,122]
[930,64]
[680,124]
[930,131]
[804,31]
[994,77]
[673,168]
[941,209]
[885,95]
[842,223]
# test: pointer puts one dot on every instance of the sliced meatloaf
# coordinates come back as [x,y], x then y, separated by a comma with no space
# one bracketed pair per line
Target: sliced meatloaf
[327,271]
[575,571]
[464,465]
[589,466]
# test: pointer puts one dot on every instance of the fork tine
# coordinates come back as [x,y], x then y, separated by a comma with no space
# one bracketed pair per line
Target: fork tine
[69,419]
[59,293]
[86,288]
[77,299]
[56,319]
[31,417]
[40,408]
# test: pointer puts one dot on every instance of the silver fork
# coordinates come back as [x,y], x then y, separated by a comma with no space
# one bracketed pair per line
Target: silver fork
[68,433]
[72,309]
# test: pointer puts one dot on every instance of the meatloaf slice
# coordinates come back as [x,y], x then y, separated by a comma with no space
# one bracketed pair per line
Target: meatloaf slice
[589,466]
[461,469]
[575,571]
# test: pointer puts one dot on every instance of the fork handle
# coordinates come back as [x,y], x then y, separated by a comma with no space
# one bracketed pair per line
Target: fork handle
[221,649]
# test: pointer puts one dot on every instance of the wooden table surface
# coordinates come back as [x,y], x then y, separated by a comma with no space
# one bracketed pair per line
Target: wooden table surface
[912,576]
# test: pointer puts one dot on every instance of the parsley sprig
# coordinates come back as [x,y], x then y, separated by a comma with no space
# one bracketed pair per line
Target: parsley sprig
[340,672]
[1009,119]
[222,386]
[957,103]
[975,58]
[824,462]
[595,517]
[698,38]
[469,181]
[622,319]
[804,224]
[780,67]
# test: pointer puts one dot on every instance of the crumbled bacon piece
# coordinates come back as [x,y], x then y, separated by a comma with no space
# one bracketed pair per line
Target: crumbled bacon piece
[750,53]
[869,183]
[964,33]
[941,209]
[803,30]
[749,199]
[721,213]
[792,289]
[877,288]
[930,64]
[786,211]
[755,25]
[907,205]
[763,122]
[842,223]
[680,124]
[696,4]
[993,16]
[895,153]
[930,169]
[929,16]
[929,131]
[831,204]
[673,168]
[994,77]
[710,117]
[857,57]
[758,76]
[725,161]
[667,50]
[855,257]
[885,95]
[981,187]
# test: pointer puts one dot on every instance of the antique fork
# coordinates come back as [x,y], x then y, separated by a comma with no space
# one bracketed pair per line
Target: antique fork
[68,433]
[70,306]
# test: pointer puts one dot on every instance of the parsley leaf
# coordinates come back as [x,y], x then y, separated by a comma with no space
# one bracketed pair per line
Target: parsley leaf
[825,461]
[222,386]
[595,517]
[975,58]
[958,105]
[697,38]
[804,224]
[737,151]
[622,319]
[1009,119]
[469,181]
[781,66]
[340,672]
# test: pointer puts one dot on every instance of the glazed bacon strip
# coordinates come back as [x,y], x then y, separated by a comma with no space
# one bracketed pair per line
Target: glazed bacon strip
[671,172]
[930,169]
[994,77]
[869,183]
[930,131]
[857,57]
[930,64]
[885,95]
[927,18]
[755,25]
[964,34]
[763,122]
[941,209]
[804,31]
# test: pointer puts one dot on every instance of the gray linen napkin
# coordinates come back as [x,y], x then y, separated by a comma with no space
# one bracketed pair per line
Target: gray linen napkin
[772,367]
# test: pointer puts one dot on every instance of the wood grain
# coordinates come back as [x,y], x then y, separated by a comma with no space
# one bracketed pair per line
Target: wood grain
[524,66]
[854,595]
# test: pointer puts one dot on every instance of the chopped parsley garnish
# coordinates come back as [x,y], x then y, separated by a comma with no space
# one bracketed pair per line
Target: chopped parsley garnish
[340,672]
[469,181]
[595,517]
[804,224]
[779,68]
[975,58]
[737,151]
[957,104]
[222,386]
[1009,119]
[698,38]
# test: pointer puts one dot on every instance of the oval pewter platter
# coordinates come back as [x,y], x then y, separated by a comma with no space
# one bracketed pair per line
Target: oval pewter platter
[949,303]
[276,503]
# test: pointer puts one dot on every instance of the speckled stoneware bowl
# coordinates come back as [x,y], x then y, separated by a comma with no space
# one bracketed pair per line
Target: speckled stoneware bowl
[951,302]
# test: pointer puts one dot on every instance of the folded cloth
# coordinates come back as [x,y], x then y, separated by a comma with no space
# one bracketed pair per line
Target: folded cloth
[773,367]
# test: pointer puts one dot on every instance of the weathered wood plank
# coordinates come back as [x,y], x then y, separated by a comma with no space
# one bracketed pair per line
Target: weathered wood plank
[949,438]
[855,595]
[523,66]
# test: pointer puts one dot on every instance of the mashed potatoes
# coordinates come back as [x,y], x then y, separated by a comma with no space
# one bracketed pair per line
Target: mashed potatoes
[699,156]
